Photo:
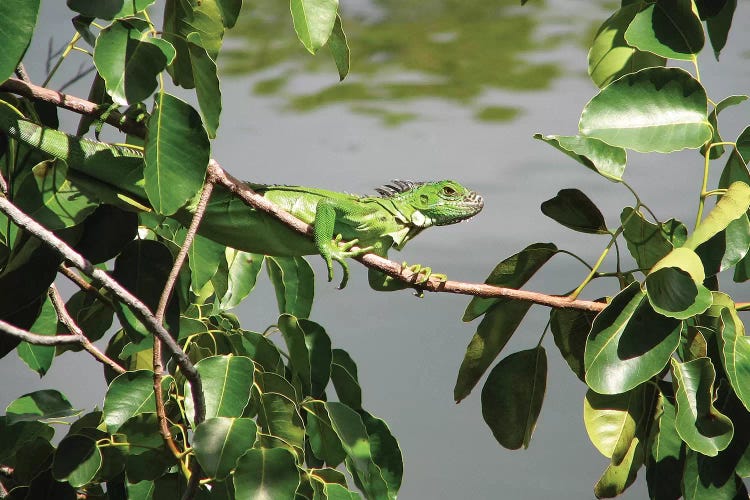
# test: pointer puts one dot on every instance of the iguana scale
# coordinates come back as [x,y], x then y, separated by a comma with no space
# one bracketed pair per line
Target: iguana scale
[114,174]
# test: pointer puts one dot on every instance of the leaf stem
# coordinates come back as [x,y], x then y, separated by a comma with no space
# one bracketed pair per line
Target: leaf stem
[62,57]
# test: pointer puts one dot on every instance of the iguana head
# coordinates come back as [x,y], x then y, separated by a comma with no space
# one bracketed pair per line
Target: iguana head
[435,203]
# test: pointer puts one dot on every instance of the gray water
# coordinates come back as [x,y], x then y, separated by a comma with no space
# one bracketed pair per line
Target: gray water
[438,89]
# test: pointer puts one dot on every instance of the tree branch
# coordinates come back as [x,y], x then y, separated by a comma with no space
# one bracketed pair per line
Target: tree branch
[253,199]
[65,318]
[139,308]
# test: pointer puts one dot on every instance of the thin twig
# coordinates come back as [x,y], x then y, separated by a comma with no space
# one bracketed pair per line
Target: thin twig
[65,318]
[139,308]
[35,338]
[83,284]
[160,311]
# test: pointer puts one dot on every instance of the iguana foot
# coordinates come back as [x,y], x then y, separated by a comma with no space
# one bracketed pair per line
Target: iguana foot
[423,274]
[340,252]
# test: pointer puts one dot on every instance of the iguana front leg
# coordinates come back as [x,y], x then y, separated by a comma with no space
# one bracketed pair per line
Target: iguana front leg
[330,246]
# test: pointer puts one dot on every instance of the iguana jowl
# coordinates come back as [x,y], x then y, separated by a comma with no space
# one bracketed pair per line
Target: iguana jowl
[114,174]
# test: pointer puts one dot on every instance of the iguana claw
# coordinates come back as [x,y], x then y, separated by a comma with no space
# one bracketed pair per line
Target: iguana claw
[339,252]
[423,274]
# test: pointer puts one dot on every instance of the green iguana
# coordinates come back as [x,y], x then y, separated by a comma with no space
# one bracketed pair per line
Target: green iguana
[114,174]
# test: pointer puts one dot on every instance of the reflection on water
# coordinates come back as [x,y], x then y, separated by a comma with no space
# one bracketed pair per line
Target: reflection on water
[401,50]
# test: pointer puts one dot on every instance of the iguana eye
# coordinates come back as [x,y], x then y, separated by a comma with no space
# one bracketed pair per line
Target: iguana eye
[449,191]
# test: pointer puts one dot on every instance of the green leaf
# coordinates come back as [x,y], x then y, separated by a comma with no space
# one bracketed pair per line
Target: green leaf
[265,473]
[39,357]
[242,274]
[39,405]
[629,343]
[147,456]
[496,328]
[261,350]
[51,198]
[324,441]
[713,118]
[512,272]
[718,26]
[351,431]
[106,232]
[668,28]
[313,21]
[109,9]
[618,476]
[206,83]
[732,205]
[675,285]
[512,397]
[129,59]
[130,394]
[16,436]
[726,248]
[219,442]
[576,211]
[339,48]
[654,109]
[706,478]
[649,243]
[17,22]
[227,383]
[278,417]
[385,451]
[570,329]
[608,161]
[666,458]
[344,378]
[309,351]
[294,283]
[204,257]
[703,428]
[735,354]
[176,154]
[610,56]
[77,460]
[612,420]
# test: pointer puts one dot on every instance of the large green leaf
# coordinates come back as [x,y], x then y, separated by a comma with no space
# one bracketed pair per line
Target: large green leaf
[129,59]
[313,21]
[703,428]
[39,357]
[732,205]
[242,274]
[266,473]
[512,397]
[206,83]
[309,351]
[131,394]
[385,451]
[176,154]
[610,56]
[668,28]
[294,283]
[706,478]
[735,354]
[575,210]
[17,22]
[618,476]
[654,109]
[279,418]
[324,441]
[77,460]
[204,257]
[512,272]
[718,26]
[227,383]
[39,405]
[494,331]
[648,242]
[629,343]
[612,420]
[666,457]
[675,285]
[726,248]
[606,160]
[219,442]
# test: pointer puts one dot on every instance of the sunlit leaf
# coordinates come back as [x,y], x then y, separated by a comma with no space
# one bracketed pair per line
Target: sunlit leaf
[313,21]
[512,397]
[735,354]
[654,109]
[207,86]
[618,476]
[294,283]
[629,343]
[648,242]
[668,28]
[17,22]
[310,352]
[39,357]
[39,405]
[227,382]
[675,285]
[608,161]
[266,473]
[130,394]
[219,442]
[339,48]
[612,419]
[344,378]
[732,205]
